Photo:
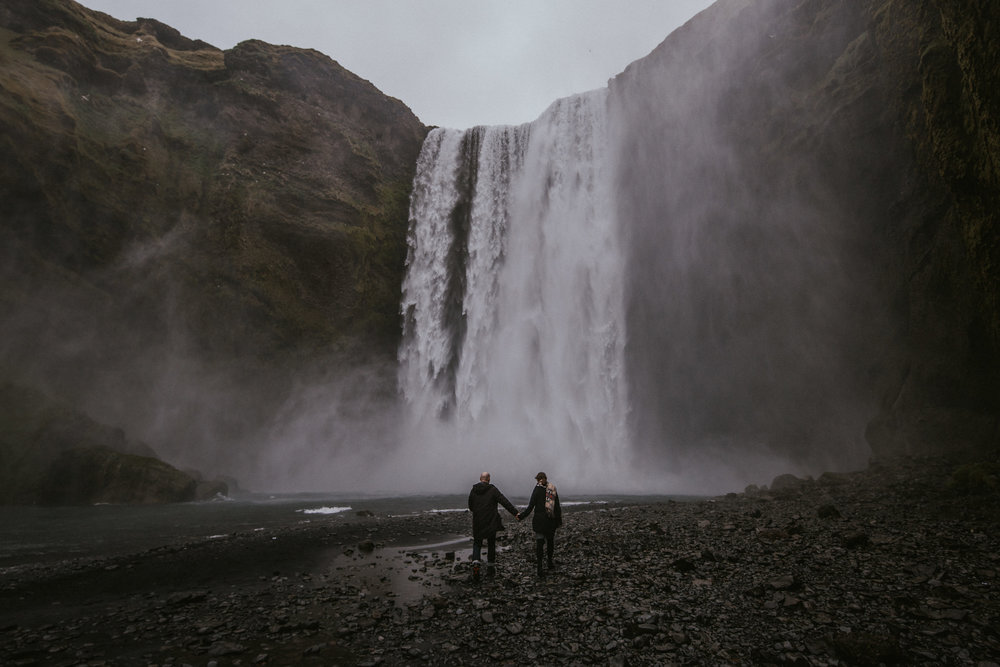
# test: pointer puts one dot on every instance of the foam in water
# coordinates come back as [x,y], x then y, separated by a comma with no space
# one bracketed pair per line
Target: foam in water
[324,510]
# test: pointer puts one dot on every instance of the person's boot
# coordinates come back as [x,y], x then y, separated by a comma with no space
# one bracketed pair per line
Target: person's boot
[491,571]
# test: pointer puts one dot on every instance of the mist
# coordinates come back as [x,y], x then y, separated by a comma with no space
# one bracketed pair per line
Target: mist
[125,347]
[680,295]
[756,315]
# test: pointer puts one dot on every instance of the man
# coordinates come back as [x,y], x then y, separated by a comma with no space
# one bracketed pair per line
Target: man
[483,499]
[547,518]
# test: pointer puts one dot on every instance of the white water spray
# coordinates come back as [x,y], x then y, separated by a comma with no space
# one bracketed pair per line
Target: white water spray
[513,338]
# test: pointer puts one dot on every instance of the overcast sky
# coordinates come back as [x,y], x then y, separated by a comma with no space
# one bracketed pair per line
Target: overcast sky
[455,63]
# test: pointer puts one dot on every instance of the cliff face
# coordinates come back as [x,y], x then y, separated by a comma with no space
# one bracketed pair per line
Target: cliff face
[943,391]
[825,174]
[186,230]
[264,187]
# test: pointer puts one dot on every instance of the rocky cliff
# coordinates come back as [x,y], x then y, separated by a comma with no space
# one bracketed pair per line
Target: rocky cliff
[831,167]
[186,230]
[943,390]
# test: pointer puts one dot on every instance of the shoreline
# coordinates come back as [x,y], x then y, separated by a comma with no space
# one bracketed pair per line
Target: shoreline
[887,565]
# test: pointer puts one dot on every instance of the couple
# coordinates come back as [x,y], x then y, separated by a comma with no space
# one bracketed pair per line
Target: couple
[486,522]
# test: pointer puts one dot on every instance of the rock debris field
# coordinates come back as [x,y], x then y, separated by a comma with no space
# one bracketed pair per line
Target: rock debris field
[893,565]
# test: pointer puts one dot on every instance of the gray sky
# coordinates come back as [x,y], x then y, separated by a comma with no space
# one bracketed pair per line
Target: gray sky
[455,63]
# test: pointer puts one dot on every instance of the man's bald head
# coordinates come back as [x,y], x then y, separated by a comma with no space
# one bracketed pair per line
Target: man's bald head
[484,477]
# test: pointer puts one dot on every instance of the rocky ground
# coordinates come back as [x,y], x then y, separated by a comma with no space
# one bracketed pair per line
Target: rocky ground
[895,565]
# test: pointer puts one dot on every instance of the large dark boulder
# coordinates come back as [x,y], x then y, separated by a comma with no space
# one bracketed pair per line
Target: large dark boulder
[53,454]
[85,476]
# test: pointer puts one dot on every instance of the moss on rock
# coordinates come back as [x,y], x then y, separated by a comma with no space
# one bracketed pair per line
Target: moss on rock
[90,475]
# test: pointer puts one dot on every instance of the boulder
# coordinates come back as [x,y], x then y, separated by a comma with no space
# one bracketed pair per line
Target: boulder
[216,488]
[89,475]
[787,482]
[53,454]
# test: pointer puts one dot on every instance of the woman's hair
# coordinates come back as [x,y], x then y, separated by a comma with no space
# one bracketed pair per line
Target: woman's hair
[540,476]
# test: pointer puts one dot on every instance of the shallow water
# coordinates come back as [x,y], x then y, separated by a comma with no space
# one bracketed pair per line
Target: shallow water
[46,534]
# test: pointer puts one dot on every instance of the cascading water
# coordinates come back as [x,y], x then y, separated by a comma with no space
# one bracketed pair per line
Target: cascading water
[513,334]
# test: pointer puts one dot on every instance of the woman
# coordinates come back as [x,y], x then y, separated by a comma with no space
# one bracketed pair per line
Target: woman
[547,518]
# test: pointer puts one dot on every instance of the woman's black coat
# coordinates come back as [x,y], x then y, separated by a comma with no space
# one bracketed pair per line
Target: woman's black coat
[542,522]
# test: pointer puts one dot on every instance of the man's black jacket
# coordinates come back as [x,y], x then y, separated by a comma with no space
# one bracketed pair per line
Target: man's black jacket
[483,499]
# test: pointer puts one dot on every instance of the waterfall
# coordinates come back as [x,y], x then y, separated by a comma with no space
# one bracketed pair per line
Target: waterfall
[513,316]
[675,284]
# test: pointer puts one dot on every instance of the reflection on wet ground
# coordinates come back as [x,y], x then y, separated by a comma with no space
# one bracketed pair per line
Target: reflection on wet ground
[404,573]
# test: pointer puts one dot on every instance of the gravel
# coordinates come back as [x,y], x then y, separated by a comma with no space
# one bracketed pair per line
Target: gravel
[885,566]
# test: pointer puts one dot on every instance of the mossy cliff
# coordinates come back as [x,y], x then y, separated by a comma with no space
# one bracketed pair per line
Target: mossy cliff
[182,222]
[265,188]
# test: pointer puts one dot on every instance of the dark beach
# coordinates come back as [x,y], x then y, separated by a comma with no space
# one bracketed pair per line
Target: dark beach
[894,565]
